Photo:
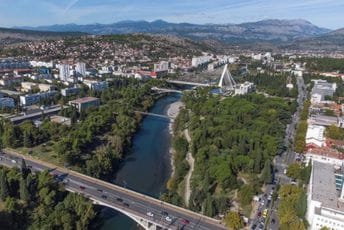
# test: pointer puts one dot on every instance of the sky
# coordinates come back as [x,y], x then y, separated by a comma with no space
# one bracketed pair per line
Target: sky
[323,13]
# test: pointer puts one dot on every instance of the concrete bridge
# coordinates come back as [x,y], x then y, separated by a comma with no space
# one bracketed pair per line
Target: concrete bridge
[155,115]
[148,212]
[164,90]
[188,83]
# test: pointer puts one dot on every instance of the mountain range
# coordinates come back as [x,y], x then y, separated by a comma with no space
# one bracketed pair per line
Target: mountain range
[272,30]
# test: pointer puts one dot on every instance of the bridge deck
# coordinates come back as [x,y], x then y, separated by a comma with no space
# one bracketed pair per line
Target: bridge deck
[130,203]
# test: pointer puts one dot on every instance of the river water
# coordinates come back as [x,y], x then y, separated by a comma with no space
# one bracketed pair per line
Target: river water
[148,167]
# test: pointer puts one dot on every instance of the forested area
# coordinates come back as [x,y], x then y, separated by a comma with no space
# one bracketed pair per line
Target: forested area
[37,201]
[230,137]
[301,130]
[98,137]
[324,64]
[292,207]
[273,84]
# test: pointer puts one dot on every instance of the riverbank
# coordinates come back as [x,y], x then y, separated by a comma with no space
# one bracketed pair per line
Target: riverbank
[191,162]
[173,111]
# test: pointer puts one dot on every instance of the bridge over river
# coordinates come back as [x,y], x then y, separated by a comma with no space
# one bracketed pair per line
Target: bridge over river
[148,212]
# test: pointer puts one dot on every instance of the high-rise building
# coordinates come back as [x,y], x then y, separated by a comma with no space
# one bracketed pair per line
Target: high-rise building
[64,72]
[80,68]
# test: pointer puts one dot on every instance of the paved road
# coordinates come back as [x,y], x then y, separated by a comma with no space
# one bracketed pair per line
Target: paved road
[281,163]
[289,156]
[118,197]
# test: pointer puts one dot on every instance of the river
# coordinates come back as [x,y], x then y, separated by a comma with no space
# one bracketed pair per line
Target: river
[148,167]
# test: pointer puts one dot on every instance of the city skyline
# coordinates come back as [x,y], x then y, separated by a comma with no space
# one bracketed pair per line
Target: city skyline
[323,13]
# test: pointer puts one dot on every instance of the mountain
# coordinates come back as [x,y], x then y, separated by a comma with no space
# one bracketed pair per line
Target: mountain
[266,30]
[11,36]
[332,41]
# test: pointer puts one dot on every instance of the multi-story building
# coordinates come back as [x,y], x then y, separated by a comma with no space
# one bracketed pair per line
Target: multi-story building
[6,102]
[80,68]
[315,135]
[197,61]
[70,91]
[64,72]
[97,85]
[32,99]
[162,66]
[28,86]
[325,202]
[244,88]
[322,89]
[84,103]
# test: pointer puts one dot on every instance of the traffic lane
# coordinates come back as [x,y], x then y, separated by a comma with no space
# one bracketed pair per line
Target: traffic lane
[198,222]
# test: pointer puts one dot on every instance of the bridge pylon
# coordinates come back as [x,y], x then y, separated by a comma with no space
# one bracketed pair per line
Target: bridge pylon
[226,81]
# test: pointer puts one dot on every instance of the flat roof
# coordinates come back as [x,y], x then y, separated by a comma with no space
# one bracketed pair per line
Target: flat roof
[85,99]
[324,186]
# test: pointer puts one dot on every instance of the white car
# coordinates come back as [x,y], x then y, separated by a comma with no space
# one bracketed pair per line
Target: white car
[150,214]
[169,219]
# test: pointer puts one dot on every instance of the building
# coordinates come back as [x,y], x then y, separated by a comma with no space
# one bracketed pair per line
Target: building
[162,66]
[28,86]
[97,85]
[64,72]
[325,155]
[61,120]
[244,88]
[70,91]
[325,202]
[324,120]
[84,103]
[315,135]
[321,90]
[32,99]
[6,102]
[46,87]
[80,68]
[197,61]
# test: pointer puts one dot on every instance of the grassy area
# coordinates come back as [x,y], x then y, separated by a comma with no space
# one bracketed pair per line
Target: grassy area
[43,152]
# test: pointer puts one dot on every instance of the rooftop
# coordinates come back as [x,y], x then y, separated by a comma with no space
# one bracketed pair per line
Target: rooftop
[324,186]
[316,132]
[84,99]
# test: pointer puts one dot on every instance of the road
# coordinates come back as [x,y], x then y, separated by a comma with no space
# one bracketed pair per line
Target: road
[281,163]
[118,197]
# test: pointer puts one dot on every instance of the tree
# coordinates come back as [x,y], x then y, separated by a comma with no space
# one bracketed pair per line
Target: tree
[294,171]
[4,191]
[23,190]
[234,221]
[245,194]
[266,173]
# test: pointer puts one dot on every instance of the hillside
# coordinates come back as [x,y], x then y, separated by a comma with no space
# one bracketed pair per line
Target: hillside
[266,30]
[332,41]
[11,36]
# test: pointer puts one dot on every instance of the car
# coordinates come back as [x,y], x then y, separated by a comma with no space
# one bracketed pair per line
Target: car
[259,214]
[185,221]
[119,199]
[254,227]
[99,190]
[261,226]
[150,214]
[14,161]
[126,204]
[29,166]
[265,213]
[164,213]
[273,221]
[168,219]
[104,196]
[82,187]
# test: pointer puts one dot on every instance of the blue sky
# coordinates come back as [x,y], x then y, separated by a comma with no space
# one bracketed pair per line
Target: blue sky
[325,13]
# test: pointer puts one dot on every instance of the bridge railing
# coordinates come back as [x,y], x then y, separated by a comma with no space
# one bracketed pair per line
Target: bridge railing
[116,187]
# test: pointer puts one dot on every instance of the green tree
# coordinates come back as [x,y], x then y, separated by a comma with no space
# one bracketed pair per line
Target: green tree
[4,190]
[23,190]
[266,172]
[234,221]
[294,171]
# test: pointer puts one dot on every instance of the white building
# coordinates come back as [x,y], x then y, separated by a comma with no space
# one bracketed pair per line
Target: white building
[32,99]
[325,204]
[80,68]
[162,66]
[315,135]
[197,61]
[6,102]
[97,85]
[64,72]
[244,88]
